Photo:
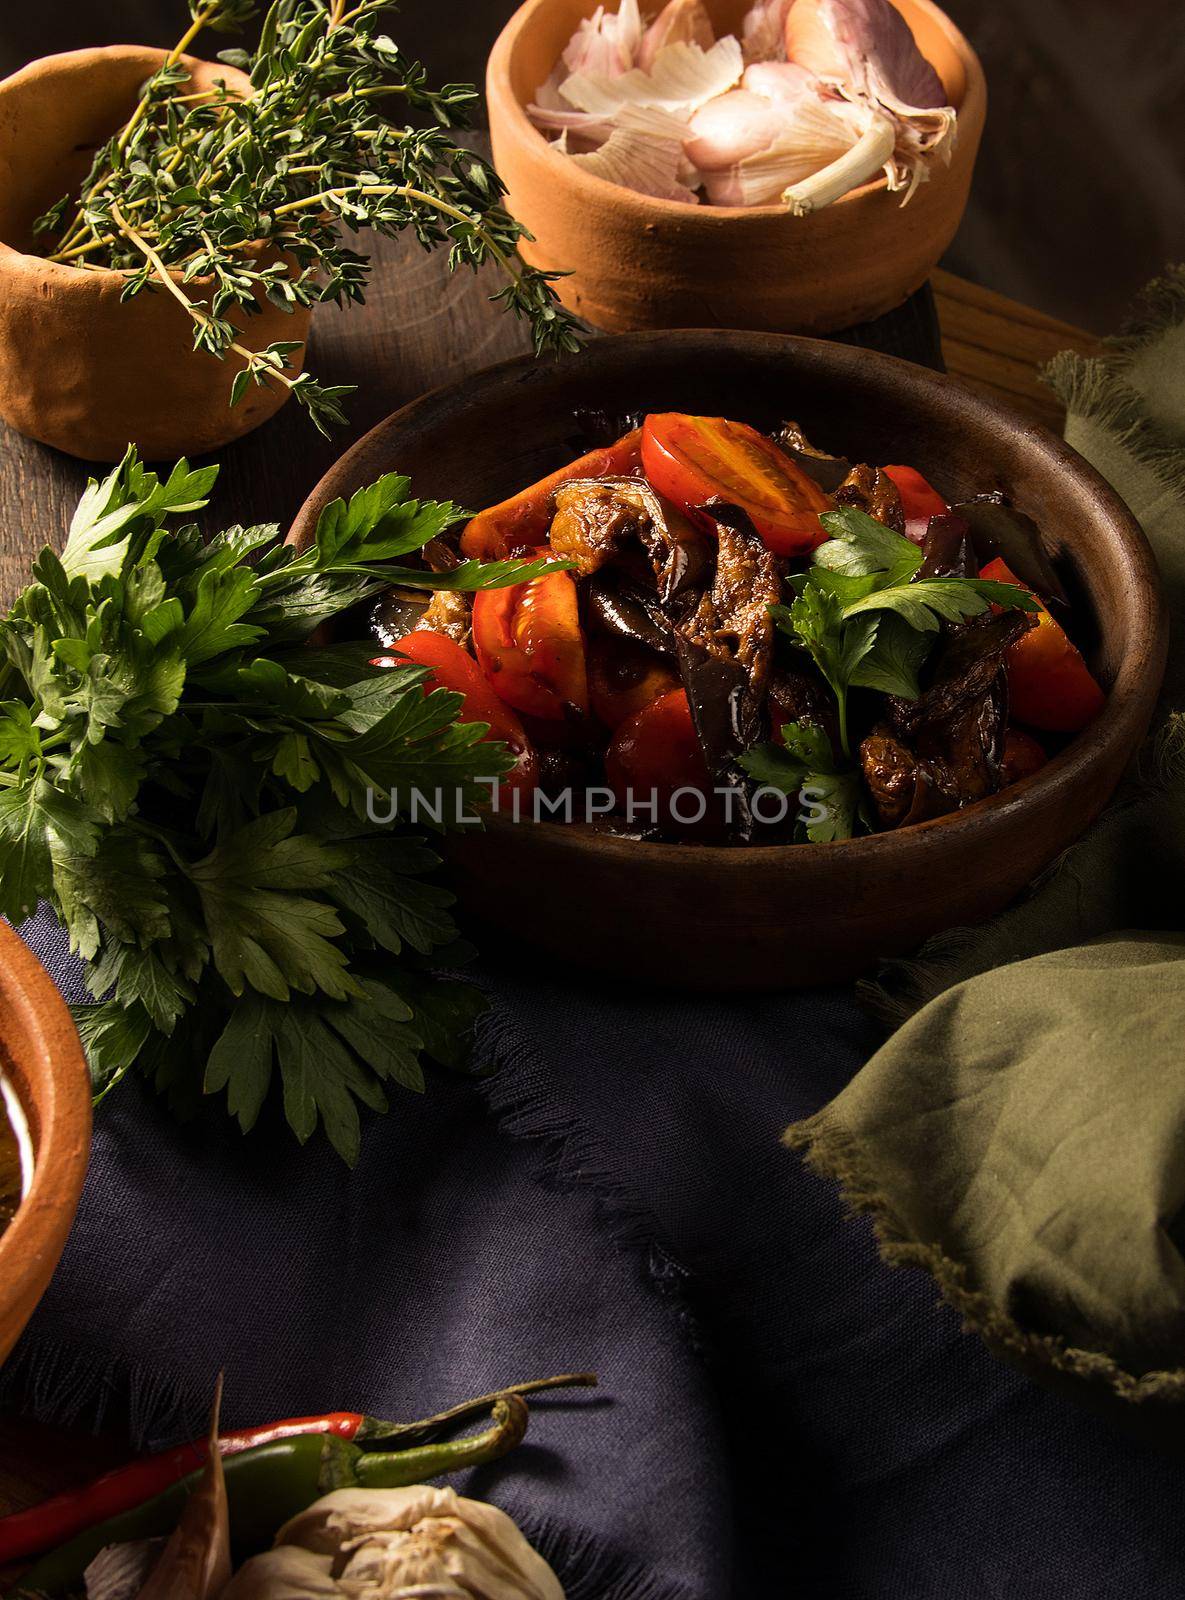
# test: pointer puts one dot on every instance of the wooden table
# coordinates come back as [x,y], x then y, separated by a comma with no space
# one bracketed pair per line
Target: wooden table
[418,329]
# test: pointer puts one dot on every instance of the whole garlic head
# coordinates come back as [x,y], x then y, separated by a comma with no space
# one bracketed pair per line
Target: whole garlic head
[392,1544]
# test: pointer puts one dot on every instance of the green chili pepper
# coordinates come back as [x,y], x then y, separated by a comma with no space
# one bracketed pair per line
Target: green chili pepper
[267,1486]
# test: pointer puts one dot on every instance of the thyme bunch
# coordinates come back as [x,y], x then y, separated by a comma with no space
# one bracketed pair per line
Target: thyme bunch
[228,202]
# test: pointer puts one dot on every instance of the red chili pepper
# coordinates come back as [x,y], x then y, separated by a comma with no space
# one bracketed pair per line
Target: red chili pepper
[53,1522]
[41,1527]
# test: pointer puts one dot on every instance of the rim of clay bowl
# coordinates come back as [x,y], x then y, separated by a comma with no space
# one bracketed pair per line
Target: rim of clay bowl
[1130,696]
[41,1055]
[971,105]
[65,271]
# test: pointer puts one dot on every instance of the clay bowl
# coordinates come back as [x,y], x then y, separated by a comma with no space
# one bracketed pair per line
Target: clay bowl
[42,1061]
[636,262]
[78,370]
[719,919]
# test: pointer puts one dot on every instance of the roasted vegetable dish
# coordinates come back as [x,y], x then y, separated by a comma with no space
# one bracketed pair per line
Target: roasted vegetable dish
[751,641]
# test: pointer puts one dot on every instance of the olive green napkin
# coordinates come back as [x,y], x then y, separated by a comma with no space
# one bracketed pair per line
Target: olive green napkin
[1022,1134]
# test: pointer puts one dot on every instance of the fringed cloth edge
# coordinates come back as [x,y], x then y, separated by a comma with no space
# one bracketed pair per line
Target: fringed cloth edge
[831,1152]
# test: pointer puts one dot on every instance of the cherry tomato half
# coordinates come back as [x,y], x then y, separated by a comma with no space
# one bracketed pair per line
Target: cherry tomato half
[652,756]
[693,460]
[523,521]
[919,500]
[530,647]
[1049,684]
[455,669]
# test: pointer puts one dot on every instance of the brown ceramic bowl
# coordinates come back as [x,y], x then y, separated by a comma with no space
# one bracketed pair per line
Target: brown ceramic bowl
[636,262]
[716,918]
[78,370]
[42,1060]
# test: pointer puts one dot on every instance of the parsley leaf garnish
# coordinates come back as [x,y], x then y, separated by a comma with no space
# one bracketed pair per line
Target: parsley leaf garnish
[864,617]
[804,765]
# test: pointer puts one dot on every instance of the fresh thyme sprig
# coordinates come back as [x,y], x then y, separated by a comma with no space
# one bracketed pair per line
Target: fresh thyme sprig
[228,203]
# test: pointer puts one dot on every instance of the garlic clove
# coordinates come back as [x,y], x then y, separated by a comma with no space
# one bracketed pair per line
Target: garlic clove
[819,134]
[731,128]
[783,81]
[859,164]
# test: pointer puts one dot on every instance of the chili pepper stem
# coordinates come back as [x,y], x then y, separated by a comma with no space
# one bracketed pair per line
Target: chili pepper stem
[375,1428]
[396,1469]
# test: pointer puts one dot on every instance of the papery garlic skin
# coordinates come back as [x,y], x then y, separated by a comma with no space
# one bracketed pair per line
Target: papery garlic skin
[607,42]
[763,31]
[679,22]
[393,1544]
[286,1573]
[645,153]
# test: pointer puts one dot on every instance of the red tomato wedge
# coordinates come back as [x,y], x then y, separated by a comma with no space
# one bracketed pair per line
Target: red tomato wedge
[530,647]
[1049,685]
[455,669]
[523,521]
[919,500]
[656,751]
[694,460]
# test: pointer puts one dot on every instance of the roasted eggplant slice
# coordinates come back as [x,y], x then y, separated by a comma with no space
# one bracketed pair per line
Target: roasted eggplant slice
[870,489]
[827,471]
[619,607]
[998,529]
[947,551]
[594,517]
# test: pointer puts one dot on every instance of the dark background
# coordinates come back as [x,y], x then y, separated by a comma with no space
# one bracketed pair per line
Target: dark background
[1079,193]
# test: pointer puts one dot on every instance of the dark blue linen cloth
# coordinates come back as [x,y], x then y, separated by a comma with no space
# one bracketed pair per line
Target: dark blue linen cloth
[780,1414]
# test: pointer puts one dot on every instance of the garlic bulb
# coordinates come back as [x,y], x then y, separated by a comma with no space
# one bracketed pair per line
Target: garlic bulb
[864,50]
[392,1544]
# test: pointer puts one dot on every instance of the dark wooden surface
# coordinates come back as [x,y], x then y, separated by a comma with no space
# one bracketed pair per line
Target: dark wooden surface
[419,328]
[1079,195]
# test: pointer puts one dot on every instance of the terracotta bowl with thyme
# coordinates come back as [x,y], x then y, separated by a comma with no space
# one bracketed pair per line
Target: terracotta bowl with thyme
[79,369]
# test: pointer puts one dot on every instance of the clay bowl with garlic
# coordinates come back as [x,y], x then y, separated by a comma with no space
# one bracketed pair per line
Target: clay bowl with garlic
[45,1122]
[78,369]
[715,918]
[638,263]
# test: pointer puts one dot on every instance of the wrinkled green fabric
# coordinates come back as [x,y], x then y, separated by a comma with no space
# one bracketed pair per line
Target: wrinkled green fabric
[1022,1134]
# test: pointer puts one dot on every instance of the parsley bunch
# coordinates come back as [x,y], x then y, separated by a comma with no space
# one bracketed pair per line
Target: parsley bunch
[186,783]
[868,622]
[249,196]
